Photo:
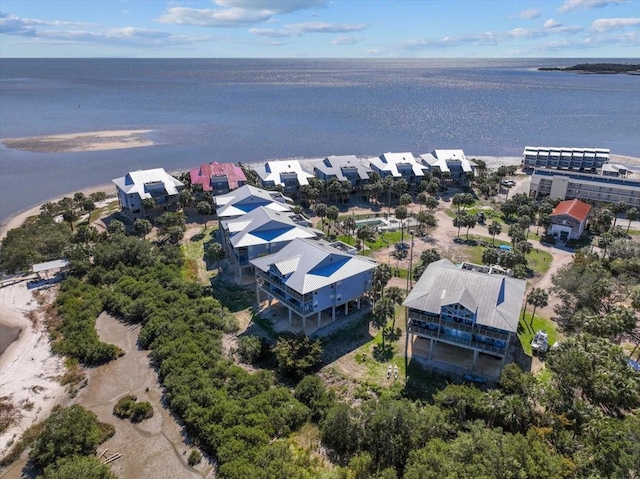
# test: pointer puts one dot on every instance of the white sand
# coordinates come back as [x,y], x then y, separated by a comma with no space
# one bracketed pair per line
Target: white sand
[87,141]
[28,370]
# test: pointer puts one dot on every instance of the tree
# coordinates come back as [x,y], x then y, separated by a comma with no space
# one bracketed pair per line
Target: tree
[313,393]
[382,312]
[215,252]
[405,199]
[396,295]
[78,467]
[85,234]
[185,198]
[381,277]
[632,214]
[517,234]
[142,227]
[616,209]
[174,234]
[459,221]
[401,214]
[69,432]
[78,198]
[349,225]
[321,211]
[342,430]
[148,204]
[116,227]
[469,222]
[88,206]
[461,201]
[494,229]
[297,355]
[70,216]
[490,256]
[538,297]
[204,208]
[365,233]
[332,213]
[426,219]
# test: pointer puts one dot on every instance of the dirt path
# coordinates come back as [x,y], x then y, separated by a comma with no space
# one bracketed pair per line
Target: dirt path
[155,447]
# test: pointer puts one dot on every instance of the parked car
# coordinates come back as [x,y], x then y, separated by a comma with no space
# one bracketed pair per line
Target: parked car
[508,183]
[540,341]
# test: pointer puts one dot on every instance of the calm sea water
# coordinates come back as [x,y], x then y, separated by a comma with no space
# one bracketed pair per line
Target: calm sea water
[253,110]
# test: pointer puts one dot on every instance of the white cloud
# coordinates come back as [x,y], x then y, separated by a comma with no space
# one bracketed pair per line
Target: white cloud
[298,29]
[529,14]
[606,24]
[484,38]
[345,40]
[41,31]
[526,33]
[553,26]
[569,5]
[235,13]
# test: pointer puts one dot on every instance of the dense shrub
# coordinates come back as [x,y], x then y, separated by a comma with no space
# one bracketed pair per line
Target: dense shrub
[249,348]
[297,355]
[194,457]
[128,407]
[78,467]
[69,432]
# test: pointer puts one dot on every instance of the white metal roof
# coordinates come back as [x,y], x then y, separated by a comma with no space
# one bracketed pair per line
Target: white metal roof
[138,182]
[335,165]
[57,264]
[317,264]
[272,171]
[389,162]
[247,198]
[442,158]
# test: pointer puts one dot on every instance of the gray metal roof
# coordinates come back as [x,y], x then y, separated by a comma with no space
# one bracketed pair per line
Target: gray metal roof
[316,264]
[390,161]
[496,299]
[334,165]
[57,264]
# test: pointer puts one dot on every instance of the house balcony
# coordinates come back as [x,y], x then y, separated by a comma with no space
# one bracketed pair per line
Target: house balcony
[303,304]
[474,336]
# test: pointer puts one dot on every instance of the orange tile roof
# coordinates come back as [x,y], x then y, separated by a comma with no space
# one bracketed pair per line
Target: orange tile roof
[575,208]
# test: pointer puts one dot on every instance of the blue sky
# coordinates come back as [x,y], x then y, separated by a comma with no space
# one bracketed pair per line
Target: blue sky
[320,28]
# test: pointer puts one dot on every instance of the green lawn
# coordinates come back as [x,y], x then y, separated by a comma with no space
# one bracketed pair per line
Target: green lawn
[526,333]
[194,268]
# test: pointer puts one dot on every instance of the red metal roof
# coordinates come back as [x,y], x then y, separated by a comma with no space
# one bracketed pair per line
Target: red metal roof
[575,208]
[204,173]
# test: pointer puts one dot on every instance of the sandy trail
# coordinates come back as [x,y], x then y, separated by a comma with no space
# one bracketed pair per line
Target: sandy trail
[28,370]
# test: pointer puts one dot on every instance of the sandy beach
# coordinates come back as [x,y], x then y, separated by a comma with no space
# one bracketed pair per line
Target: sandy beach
[28,370]
[87,141]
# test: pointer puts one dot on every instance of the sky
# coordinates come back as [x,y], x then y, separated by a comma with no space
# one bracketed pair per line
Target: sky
[320,28]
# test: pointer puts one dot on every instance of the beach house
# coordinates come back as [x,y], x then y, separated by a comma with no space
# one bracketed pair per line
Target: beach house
[261,231]
[342,168]
[568,219]
[451,166]
[246,199]
[288,174]
[458,314]
[398,165]
[218,178]
[314,281]
[139,185]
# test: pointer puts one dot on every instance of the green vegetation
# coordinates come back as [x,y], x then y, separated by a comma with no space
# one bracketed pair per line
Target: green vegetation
[526,331]
[596,68]
[194,458]
[128,407]
[78,467]
[69,432]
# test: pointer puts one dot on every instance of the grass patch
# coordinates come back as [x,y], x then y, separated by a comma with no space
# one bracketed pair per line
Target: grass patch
[195,268]
[539,261]
[526,332]
[232,296]
[27,439]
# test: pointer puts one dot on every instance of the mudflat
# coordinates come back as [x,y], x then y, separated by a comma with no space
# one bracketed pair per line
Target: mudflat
[75,142]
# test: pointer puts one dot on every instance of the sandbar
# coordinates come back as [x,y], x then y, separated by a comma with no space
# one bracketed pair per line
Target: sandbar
[77,142]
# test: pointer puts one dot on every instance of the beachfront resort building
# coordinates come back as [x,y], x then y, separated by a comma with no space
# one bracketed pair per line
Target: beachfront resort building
[314,281]
[342,168]
[218,178]
[246,199]
[451,166]
[259,232]
[466,311]
[398,165]
[580,159]
[286,173]
[584,186]
[140,185]
[568,219]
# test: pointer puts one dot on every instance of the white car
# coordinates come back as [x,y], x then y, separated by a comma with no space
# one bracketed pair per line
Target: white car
[540,341]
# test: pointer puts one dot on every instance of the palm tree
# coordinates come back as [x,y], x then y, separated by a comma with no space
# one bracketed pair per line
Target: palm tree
[469,222]
[401,214]
[70,216]
[537,298]
[616,209]
[321,211]
[88,206]
[382,311]
[494,229]
[142,227]
[632,214]
[349,224]
[381,277]
[332,214]
[364,234]
[459,221]
[396,295]
[204,209]
[148,204]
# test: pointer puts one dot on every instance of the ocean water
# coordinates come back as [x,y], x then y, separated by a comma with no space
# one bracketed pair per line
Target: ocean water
[254,110]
